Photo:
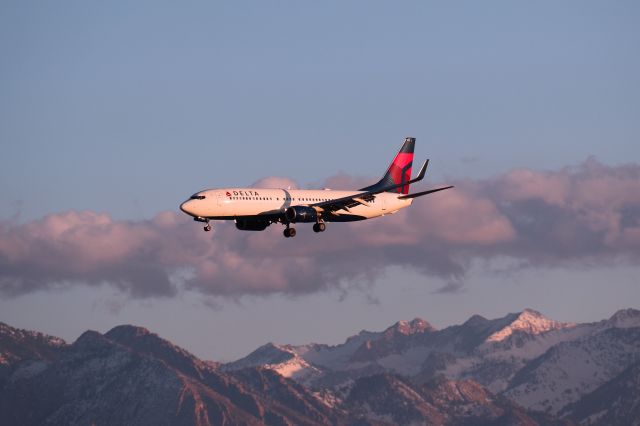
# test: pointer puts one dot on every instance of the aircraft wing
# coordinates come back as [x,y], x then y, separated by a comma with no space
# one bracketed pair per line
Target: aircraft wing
[345,203]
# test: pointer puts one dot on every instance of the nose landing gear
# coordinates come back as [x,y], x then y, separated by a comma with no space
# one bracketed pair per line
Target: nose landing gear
[207,227]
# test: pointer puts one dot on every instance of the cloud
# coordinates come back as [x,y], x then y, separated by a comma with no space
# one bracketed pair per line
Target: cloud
[584,215]
[275,182]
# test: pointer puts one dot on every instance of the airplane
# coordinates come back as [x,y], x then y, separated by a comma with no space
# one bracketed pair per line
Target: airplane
[253,209]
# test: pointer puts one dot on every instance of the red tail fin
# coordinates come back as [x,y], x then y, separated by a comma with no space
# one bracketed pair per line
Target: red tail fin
[400,169]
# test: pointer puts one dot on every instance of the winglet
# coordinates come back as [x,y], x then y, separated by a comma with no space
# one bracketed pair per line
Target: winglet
[423,170]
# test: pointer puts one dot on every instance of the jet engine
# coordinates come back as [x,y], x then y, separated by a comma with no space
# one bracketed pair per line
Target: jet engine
[251,224]
[301,214]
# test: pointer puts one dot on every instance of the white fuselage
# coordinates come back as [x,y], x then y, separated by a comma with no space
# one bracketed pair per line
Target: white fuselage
[231,203]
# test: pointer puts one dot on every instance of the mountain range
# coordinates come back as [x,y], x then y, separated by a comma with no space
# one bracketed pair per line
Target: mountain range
[522,369]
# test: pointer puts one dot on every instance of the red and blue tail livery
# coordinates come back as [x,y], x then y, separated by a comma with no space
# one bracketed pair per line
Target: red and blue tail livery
[255,209]
[399,171]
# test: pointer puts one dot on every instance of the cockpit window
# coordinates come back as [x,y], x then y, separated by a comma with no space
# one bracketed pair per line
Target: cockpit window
[197,197]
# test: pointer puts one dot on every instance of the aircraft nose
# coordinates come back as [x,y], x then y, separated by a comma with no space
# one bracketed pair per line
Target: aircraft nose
[185,207]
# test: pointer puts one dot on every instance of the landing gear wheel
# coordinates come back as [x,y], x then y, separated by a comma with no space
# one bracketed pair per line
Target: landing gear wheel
[207,228]
[289,232]
[319,227]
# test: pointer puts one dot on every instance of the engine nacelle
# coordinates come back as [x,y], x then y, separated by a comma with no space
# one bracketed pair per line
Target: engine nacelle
[251,224]
[301,214]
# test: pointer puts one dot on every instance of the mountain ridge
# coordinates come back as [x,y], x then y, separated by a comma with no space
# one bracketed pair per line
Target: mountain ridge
[522,368]
[522,355]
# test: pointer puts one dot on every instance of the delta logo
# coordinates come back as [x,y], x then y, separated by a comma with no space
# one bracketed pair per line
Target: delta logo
[242,193]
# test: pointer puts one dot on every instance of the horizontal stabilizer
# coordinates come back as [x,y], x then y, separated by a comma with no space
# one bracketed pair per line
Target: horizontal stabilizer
[420,194]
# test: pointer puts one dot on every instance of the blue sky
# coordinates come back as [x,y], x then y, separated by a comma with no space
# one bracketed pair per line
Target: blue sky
[126,109]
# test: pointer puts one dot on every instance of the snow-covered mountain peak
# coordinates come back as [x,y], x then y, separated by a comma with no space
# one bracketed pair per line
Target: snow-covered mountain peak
[527,321]
[268,354]
[280,358]
[417,325]
[273,350]
[420,324]
[625,318]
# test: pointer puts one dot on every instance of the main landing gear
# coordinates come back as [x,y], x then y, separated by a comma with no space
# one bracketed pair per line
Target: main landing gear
[289,232]
[319,227]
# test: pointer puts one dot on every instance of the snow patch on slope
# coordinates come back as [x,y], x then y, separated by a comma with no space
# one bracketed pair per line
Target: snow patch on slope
[530,322]
[296,368]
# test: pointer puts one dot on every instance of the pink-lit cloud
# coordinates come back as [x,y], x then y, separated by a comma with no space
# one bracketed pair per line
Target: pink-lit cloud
[589,214]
